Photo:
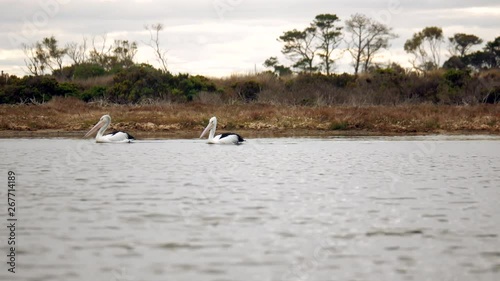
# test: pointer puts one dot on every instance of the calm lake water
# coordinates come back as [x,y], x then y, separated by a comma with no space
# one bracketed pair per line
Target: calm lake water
[388,208]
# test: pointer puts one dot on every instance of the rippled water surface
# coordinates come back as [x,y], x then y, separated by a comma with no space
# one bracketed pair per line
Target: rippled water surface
[422,208]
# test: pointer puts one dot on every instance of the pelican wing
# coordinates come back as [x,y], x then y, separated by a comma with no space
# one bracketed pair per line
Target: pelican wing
[118,137]
[228,138]
[224,135]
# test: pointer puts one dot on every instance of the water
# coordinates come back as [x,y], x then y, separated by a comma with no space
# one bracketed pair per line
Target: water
[421,208]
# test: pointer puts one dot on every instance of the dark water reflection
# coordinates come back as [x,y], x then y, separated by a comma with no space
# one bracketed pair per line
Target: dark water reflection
[423,208]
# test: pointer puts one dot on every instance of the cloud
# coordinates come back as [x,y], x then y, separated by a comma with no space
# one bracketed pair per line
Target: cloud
[221,37]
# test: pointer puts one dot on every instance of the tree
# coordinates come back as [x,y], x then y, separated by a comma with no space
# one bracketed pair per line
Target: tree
[454,62]
[378,39]
[55,54]
[329,37]
[154,43]
[367,38]
[279,69]
[493,47]
[461,43]
[357,25]
[488,58]
[100,53]
[36,60]
[77,53]
[112,57]
[299,48]
[44,55]
[321,38]
[425,47]
[124,52]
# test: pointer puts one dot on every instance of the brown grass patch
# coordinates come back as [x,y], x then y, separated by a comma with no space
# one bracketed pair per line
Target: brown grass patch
[71,115]
[88,83]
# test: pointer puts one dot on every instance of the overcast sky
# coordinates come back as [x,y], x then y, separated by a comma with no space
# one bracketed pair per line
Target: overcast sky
[224,37]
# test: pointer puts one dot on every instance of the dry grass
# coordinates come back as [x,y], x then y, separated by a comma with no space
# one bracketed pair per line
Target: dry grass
[94,81]
[72,115]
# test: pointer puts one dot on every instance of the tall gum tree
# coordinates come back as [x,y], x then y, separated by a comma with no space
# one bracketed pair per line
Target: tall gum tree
[299,47]
[329,37]
[461,43]
[367,38]
[425,46]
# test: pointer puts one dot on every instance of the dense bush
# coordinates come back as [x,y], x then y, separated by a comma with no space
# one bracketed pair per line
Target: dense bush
[189,86]
[88,70]
[69,89]
[95,93]
[143,83]
[334,80]
[247,90]
[132,85]
[136,83]
[30,89]
[456,78]
[82,71]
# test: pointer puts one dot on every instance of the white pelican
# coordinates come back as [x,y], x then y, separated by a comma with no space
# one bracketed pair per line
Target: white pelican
[115,136]
[225,138]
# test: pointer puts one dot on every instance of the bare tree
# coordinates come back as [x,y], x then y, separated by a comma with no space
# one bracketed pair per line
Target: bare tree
[44,55]
[154,43]
[77,52]
[118,55]
[379,38]
[367,38]
[357,25]
[100,54]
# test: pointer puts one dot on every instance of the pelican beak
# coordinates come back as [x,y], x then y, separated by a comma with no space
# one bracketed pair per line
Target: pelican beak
[209,126]
[94,129]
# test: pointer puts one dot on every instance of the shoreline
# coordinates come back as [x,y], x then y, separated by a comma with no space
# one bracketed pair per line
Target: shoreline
[247,134]
[71,118]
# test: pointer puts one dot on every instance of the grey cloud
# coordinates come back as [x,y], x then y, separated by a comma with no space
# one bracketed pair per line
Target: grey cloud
[76,19]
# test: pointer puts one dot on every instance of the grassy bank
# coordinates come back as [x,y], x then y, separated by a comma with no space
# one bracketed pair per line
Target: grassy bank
[71,117]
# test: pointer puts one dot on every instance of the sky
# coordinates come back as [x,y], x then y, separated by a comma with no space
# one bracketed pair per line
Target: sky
[219,38]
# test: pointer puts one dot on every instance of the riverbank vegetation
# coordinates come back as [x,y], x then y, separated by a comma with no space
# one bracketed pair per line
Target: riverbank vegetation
[460,94]
[254,119]
[143,84]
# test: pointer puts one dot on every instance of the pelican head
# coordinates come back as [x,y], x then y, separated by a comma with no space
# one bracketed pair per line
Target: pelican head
[212,124]
[102,124]
[113,137]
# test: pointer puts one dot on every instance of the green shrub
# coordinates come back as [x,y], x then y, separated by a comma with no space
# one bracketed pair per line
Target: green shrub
[69,89]
[88,70]
[141,82]
[30,89]
[93,93]
[136,83]
[456,78]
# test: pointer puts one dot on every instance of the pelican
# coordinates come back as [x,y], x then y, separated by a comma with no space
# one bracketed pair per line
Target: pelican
[114,137]
[225,138]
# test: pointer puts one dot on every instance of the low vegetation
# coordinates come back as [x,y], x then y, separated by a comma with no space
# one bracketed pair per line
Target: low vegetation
[306,97]
[143,84]
[62,115]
